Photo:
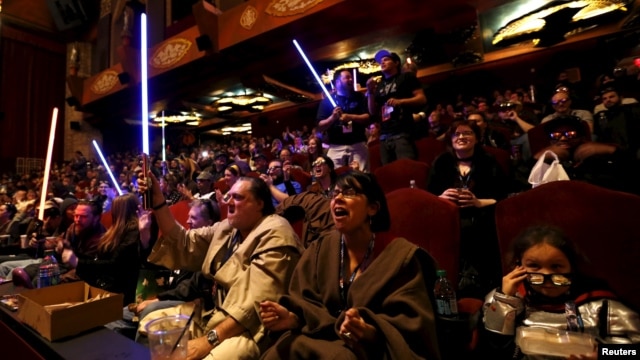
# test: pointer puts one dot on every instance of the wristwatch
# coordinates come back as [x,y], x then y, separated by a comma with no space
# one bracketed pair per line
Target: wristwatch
[212,338]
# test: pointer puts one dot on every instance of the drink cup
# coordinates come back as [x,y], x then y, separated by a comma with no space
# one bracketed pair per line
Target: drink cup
[163,335]
[24,242]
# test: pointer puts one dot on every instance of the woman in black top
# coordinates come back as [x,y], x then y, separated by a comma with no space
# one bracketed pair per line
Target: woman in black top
[472,179]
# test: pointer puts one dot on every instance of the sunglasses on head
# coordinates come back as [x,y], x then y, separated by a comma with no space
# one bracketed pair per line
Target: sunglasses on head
[556,279]
[319,161]
[557,135]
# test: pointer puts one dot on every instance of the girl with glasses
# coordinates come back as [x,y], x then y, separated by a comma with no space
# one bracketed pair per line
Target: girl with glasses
[546,288]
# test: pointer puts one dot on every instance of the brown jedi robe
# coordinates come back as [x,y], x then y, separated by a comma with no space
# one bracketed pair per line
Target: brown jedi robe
[391,294]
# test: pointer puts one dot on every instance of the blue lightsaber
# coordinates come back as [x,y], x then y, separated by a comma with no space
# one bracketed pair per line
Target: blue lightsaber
[106,166]
[315,74]
[143,81]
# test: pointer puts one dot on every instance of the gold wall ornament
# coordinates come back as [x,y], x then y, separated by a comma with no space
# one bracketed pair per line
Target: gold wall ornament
[249,17]
[104,82]
[170,53]
[290,7]
[553,22]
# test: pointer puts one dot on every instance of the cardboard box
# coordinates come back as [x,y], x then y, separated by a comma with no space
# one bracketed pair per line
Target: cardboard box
[54,324]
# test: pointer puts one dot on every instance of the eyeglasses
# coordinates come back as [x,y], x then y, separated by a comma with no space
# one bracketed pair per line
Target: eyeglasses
[561,102]
[348,193]
[556,279]
[458,134]
[273,168]
[567,134]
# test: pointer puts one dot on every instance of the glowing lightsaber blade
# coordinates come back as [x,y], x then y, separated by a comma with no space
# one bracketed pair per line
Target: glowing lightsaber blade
[355,79]
[106,166]
[143,81]
[164,149]
[315,74]
[47,164]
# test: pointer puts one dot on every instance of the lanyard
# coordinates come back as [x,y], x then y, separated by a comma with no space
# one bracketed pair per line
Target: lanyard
[343,288]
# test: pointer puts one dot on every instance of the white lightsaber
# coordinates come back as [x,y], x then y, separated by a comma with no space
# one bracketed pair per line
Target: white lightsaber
[164,148]
[143,81]
[47,164]
[315,74]
[355,79]
[106,166]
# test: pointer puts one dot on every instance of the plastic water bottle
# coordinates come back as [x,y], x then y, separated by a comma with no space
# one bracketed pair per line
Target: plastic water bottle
[412,184]
[49,271]
[446,302]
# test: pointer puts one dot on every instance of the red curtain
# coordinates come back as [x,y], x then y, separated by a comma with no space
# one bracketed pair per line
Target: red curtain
[32,83]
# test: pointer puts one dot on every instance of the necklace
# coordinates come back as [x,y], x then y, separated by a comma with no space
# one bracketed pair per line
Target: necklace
[344,287]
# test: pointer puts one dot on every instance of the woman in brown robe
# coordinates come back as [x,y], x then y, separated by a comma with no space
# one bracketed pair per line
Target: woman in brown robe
[355,296]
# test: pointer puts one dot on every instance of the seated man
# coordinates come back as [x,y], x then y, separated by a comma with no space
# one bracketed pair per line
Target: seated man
[582,158]
[50,224]
[187,285]
[250,256]
[279,181]
[81,239]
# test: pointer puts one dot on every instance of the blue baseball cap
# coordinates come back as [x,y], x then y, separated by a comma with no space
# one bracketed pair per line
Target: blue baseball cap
[386,53]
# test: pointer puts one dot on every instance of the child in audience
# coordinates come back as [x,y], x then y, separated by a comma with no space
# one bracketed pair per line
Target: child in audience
[546,289]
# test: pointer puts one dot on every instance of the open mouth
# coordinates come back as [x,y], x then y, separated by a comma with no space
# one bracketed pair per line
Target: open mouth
[317,170]
[340,212]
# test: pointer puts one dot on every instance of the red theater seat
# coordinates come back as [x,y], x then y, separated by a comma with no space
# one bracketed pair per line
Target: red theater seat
[603,224]
[502,157]
[429,222]
[429,148]
[399,173]
[180,211]
[302,177]
[374,156]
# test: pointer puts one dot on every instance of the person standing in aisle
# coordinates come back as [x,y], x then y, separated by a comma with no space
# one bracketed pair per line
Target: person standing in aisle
[345,124]
[394,99]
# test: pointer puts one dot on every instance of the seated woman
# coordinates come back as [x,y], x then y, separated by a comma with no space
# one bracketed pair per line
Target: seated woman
[547,289]
[117,262]
[471,178]
[231,174]
[352,297]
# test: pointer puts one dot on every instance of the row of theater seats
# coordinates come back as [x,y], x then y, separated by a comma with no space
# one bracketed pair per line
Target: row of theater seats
[601,222]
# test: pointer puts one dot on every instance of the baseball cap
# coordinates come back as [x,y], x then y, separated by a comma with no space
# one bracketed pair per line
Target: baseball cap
[205,175]
[386,53]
